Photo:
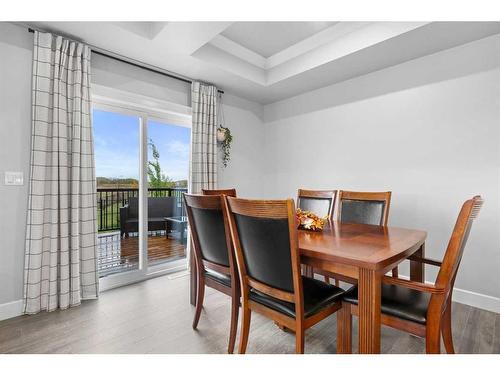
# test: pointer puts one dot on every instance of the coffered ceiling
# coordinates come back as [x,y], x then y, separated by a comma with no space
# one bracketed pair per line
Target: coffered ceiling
[271,61]
[269,38]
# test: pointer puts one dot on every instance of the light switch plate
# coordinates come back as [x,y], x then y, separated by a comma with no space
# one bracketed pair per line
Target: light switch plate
[14,178]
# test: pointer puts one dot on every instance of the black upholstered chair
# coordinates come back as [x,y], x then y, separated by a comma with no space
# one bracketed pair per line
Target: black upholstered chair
[365,208]
[215,265]
[264,235]
[321,202]
[228,192]
[419,308]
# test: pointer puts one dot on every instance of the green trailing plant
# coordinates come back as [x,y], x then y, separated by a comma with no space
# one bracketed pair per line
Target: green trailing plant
[226,146]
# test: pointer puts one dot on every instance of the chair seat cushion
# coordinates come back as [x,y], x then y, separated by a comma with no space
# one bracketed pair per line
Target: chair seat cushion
[218,277]
[317,296]
[398,301]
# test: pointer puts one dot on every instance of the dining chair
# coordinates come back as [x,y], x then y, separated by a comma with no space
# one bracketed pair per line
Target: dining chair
[215,265]
[228,192]
[418,308]
[365,208]
[320,202]
[264,235]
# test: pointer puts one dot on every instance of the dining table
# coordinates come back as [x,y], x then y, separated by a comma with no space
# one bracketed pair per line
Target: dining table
[359,254]
[362,254]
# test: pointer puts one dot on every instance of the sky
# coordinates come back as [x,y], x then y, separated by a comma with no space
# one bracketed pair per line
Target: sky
[116,142]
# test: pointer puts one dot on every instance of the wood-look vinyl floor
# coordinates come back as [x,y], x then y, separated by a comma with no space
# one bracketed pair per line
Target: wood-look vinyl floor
[155,317]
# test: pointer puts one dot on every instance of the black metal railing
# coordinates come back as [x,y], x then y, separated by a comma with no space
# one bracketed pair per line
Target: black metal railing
[109,201]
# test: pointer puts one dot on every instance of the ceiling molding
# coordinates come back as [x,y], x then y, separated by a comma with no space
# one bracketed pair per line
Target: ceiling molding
[336,53]
[235,49]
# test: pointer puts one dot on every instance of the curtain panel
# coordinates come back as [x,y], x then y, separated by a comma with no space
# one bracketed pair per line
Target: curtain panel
[203,138]
[61,243]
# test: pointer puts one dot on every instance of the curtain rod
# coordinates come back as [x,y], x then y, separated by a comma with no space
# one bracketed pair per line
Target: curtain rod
[133,62]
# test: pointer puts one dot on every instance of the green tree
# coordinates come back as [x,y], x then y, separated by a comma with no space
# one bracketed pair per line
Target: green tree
[156,178]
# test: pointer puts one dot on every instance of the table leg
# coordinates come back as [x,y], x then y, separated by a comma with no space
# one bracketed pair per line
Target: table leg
[344,330]
[417,269]
[369,289]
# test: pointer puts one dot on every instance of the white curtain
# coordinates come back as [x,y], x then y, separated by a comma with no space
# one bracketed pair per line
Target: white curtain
[61,243]
[203,138]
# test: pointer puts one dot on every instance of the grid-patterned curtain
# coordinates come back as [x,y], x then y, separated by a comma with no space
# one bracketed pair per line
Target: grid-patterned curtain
[61,244]
[203,138]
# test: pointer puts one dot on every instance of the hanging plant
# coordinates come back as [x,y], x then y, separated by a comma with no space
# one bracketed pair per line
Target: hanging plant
[225,138]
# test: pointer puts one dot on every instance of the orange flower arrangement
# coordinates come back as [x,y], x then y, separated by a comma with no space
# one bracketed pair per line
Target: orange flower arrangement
[309,220]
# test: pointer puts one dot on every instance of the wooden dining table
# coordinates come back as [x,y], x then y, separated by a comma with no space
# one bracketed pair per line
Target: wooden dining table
[363,254]
[360,254]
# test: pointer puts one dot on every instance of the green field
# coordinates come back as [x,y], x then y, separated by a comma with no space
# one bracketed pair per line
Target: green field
[112,217]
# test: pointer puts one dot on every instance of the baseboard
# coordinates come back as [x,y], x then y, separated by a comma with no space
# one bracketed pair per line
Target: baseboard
[478,300]
[481,301]
[11,309]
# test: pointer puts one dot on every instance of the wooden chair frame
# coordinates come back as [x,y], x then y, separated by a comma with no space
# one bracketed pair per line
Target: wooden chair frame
[439,309]
[201,264]
[323,194]
[228,192]
[276,209]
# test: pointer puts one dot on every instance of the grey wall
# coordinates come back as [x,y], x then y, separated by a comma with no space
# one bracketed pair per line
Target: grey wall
[429,130]
[15,135]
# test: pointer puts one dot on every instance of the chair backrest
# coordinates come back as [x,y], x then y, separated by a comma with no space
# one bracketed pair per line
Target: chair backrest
[209,230]
[157,207]
[320,202]
[456,245]
[161,206]
[364,207]
[264,235]
[133,207]
[228,192]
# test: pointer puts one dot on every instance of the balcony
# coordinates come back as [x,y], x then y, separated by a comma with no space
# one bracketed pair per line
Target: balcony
[117,220]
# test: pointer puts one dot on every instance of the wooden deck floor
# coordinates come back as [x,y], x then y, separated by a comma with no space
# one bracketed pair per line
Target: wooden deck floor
[155,316]
[118,254]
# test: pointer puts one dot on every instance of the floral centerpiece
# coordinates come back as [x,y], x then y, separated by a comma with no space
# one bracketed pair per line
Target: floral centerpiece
[309,220]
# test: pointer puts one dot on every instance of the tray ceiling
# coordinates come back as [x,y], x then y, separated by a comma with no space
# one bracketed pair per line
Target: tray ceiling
[271,61]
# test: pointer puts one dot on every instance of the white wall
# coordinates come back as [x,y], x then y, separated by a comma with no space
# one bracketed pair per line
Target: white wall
[15,137]
[428,130]
[245,169]
[118,75]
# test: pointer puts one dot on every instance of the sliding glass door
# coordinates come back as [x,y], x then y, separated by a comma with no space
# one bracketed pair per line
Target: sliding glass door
[167,170]
[142,167]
